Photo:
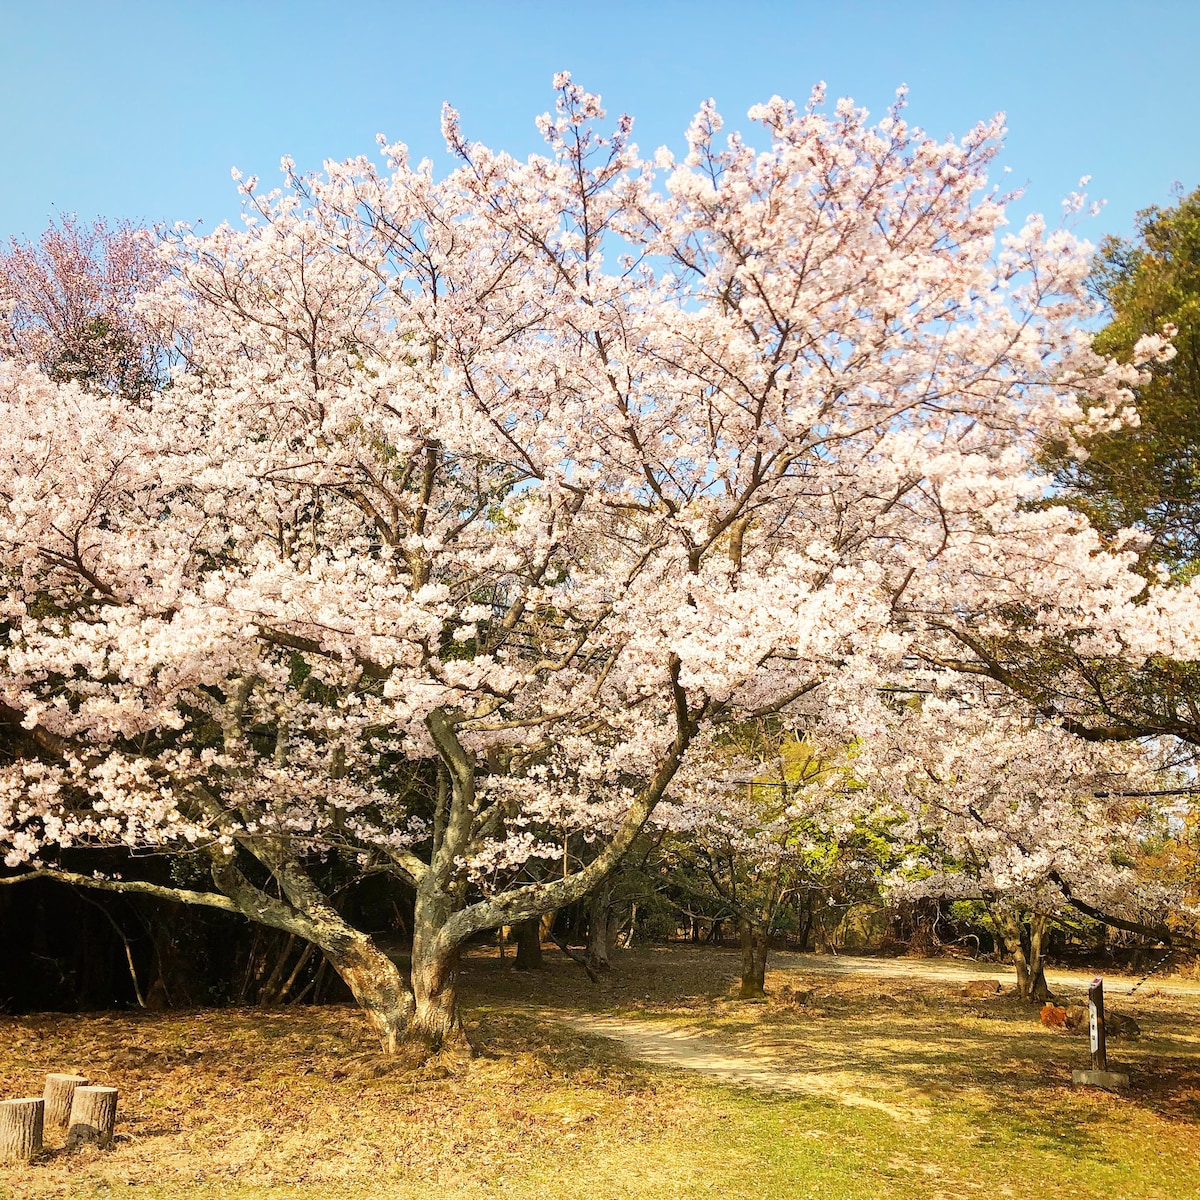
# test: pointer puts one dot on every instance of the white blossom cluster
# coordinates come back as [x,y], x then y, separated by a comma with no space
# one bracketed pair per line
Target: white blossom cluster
[596,453]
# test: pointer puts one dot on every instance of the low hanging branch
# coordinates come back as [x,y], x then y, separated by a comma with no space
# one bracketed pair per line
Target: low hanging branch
[1158,933]
[135,886]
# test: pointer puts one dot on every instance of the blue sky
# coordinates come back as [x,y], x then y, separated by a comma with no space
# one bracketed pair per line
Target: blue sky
[138,110]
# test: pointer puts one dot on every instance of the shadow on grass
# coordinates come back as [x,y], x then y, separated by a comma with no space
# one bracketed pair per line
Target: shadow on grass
[923,1042]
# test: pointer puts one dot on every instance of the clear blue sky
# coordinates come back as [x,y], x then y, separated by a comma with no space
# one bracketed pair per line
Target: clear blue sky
[138,110]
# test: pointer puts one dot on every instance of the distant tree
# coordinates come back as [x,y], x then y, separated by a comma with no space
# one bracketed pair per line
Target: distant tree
[759,842]
[68,305]
[989,805]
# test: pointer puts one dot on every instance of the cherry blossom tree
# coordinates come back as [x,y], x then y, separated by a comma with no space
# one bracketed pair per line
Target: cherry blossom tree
[986,801]
[768,822]
[68,304]
[478,507]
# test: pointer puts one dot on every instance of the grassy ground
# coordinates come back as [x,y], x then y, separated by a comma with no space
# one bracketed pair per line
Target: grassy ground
[903,1091]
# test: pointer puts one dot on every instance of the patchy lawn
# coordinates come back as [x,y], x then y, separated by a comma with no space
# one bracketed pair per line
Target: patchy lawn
[885,1089]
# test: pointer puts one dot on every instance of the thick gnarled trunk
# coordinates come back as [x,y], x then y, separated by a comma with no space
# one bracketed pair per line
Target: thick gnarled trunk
[373,978]
[1026,949]
[379,989]
[436,1024]
[443,921]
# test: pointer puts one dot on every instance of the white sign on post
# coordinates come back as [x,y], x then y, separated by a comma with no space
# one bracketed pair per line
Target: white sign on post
[1093,1027]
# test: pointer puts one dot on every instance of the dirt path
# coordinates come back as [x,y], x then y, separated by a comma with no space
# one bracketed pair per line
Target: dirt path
[773,1068]
[763,1070]
[944,970]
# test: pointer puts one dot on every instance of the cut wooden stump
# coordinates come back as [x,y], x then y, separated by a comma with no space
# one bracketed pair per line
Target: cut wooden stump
[21,1123]
[976,988]
[1119,1025]
[93,1115]
[60,1090]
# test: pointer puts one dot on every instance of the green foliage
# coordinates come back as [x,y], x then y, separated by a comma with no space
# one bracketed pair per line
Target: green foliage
[103,354]
[770,860]
[1149,476]
[657,919]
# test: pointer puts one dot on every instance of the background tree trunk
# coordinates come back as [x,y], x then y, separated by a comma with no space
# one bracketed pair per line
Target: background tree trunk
[754,959]
[806,924]
[529,945]
[600,931]
[1039,927]
[1025,949]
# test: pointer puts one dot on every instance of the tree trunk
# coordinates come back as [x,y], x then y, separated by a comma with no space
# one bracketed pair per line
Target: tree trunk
[376,984]
[822,941]
[436,1025]
[21,1123]
[93,1117]
[442,918]
[806,927]
[1025,949]
[754,959]
[60,1090]
[529,945]
[599,930]
[1009,928]
[373,979]
[1020,964]
[1039,990]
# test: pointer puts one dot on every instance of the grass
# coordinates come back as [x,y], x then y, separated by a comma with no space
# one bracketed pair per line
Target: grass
[894,1090]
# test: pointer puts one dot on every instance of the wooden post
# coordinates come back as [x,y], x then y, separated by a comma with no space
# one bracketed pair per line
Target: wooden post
[21,1123]
[60,1090]
[1096,1024]
[1099,1075]
[93,1115]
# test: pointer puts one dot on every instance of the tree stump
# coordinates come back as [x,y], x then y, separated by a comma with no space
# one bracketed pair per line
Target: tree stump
[21,1124]
[93,1115]
[60,1090]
